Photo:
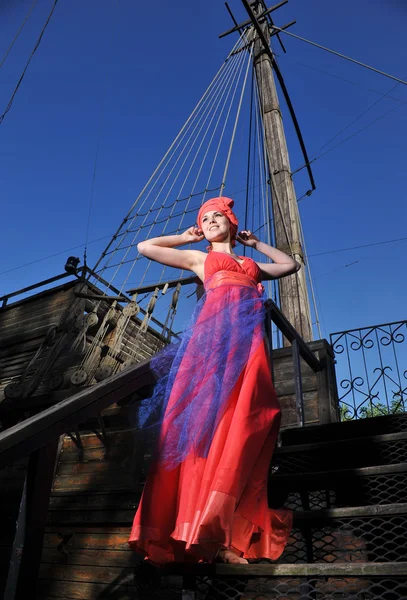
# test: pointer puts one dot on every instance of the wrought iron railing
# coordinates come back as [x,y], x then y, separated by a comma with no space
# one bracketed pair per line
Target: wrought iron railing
[371,370]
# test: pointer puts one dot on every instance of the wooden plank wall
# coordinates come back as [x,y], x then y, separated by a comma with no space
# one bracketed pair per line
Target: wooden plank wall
[319,390]
[90,514]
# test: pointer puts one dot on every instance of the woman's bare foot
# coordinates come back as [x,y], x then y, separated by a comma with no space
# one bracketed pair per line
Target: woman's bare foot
[228,556]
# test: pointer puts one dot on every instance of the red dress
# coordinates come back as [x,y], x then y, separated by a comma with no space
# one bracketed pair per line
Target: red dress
[220,500]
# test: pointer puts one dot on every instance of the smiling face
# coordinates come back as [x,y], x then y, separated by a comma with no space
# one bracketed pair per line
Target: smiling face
[216,226]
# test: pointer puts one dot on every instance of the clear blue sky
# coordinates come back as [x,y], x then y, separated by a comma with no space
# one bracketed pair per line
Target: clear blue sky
[144,66]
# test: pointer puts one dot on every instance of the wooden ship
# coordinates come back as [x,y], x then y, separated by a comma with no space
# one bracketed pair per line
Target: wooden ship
[74,362]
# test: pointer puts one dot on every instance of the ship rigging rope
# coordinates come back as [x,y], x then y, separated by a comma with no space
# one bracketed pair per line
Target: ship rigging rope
[208,146]
[225,103]
[358,62]
[191,129]
[236,122]
[317,154]
[339,78]
[379,118]
[261,161]
[180,159]
[311,283]
[264,190]
[264,187]
[168,152]
[105,237]
[13,95]
[18,33]
[225,88]
[187,149]
[120,243]
[248,156]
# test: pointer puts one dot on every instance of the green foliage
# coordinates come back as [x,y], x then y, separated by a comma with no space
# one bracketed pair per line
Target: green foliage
[397,406]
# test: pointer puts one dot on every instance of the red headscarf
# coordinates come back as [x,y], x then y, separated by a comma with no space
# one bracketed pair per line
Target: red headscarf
[224,205]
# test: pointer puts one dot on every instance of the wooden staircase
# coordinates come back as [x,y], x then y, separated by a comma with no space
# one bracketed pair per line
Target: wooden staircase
[347,485]
[84,487]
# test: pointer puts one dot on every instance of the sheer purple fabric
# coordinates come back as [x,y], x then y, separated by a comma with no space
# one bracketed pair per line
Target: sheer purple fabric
[197,375]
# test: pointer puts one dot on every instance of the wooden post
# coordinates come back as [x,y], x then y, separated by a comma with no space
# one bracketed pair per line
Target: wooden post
[299,400]
[294,300]
[27,547]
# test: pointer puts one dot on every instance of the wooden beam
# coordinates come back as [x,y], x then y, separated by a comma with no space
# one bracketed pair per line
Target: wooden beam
[99,297]
[241,25]
[172,283]
[118,292]
[231,15]
[299,400]
[5,298]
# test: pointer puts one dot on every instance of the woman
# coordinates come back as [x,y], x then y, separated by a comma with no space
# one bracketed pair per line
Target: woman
[206,494]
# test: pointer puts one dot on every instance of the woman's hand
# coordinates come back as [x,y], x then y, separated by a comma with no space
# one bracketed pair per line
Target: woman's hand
[282,264]
[247,238]
[192,235]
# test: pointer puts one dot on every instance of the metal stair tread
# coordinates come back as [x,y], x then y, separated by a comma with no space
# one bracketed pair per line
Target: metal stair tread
[346,428]
[349,512]
[359,471]
[385,437]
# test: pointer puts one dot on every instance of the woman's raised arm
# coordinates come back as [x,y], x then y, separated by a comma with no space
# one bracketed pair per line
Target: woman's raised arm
[162,249]
[282,264]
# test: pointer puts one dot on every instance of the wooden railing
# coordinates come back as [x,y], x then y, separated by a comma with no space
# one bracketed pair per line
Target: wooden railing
[37,437]
[299,349]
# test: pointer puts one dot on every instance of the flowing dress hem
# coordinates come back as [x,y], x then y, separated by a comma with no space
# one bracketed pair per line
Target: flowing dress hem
[248,540]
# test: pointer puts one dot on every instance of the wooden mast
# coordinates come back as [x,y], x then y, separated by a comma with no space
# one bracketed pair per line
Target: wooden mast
[293,291]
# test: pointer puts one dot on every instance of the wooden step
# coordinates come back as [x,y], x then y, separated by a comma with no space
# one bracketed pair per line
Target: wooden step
[96,493]
[103,508]
[347,534]
[87,563]
[90,564]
